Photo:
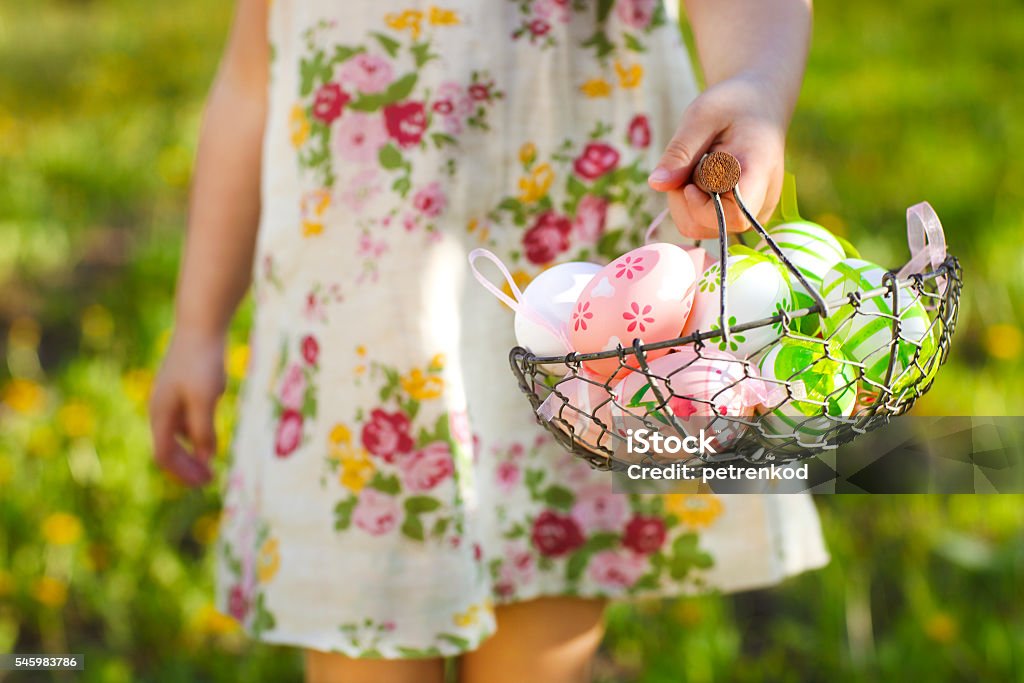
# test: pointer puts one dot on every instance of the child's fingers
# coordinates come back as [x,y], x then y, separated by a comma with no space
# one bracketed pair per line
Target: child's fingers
[168,422]
[704,217]
[201,433]
[696,131]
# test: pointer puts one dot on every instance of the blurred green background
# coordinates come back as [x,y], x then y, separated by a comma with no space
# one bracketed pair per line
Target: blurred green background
[100,103]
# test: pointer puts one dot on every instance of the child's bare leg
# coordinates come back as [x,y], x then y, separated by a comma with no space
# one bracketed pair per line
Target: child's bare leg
[329,667]
[547,640]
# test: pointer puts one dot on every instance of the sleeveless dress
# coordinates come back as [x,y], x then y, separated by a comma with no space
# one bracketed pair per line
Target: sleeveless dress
[388,484]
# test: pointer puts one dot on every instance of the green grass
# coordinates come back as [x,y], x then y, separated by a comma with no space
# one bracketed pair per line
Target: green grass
[99,108]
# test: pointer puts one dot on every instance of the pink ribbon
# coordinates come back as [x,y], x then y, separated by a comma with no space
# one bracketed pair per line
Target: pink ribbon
[654,225]
[926,240]
[516,303]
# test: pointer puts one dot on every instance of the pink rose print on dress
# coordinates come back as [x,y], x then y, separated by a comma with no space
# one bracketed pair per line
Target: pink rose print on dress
[639,132]
[591,216]
[581,315]
[548,238]
[238,603]
[644,535]
[555,535]
[427,468]
[598,509]
[329,101]
[430,200]
[638,317]
[518,568]
[293,388]
[387,435]
[406,123]
[554,10]
[616,569]
[367,73]
[358,137]
[360,189]
[289,433]
[310,349]
[636,13]
[597,159]
[629,267]
[458,426]
[508,475]
[376,513]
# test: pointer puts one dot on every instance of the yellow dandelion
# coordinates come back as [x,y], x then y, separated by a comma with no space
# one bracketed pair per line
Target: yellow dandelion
[942,628]
[629,76]
[596,87]
[437,363]
[24,396]
[535,186]
[356,471]
[1003,341]
[527,154]
[269,560]
[443,17]
[410,20]
[238,360]
[206,527]
[137,385]
[340,434]
[24,333]
[210,621]
[298,124]
[6,583]
[421,386]
[50,591]
[697,510]
[62,528]
[97,323]
[76,419]
[521,278]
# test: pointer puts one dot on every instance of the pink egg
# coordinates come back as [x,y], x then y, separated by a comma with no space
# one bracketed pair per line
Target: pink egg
[581,405]
[706,391]
[645,294]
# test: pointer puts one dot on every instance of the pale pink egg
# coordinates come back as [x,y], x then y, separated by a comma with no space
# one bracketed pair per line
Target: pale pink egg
[582,406]
[645,294]
[711,390]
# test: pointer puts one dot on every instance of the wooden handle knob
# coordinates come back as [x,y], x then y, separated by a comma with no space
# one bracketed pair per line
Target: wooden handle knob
[717,172]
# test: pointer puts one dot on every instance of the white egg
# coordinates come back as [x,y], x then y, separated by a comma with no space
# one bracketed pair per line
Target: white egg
[551,296]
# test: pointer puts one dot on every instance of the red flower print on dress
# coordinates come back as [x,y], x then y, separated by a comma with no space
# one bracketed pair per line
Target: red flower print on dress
[644,535]
[376,513]
[406,122]
[629,267]
[548,238]
[310,349]
[367,73]
[238,603]
[428,467]
[638,317]
[430,200]
[293,387]
[581,315]
[616,569]
[597,159]
[636,13]
[508,475]
[289,433]
[387,434]
[591,216]
[329,101]
[480,92]
[639,132]
[539,28]
[555,535]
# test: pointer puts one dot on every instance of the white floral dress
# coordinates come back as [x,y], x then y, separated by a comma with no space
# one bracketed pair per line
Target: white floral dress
[388,483]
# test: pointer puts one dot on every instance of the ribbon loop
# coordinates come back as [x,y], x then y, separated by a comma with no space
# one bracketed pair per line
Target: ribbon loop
[925,238]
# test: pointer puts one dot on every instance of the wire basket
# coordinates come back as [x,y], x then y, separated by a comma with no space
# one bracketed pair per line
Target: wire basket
[824,398]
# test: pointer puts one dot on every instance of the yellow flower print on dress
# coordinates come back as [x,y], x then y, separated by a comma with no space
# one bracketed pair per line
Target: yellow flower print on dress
[357,469]
[696,510]
[409,20]
[527,154]
[422,387]
[340,434]
[535,186]
[443,17]
[314,204]
[469,617]
[269,560]
[436,363]
[629,76]
[596,87]
[298,124]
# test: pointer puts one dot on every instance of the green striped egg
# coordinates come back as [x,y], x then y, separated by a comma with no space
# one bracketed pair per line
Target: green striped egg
[828,384]
[866,334]
[814,251]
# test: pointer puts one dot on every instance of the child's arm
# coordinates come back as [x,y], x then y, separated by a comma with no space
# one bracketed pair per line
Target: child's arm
[222,223]
[753,54]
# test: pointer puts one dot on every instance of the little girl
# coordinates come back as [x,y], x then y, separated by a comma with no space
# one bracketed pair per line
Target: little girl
[391,500]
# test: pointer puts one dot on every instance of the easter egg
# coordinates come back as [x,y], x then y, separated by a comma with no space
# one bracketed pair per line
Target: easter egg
[814,251]
[866,333]
[822,387]
[756,288]
[644,294]
[581,406]
[551,296]
[712,390]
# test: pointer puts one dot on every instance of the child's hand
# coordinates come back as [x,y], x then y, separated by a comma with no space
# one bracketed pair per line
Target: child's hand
[741,116]
[182,407]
